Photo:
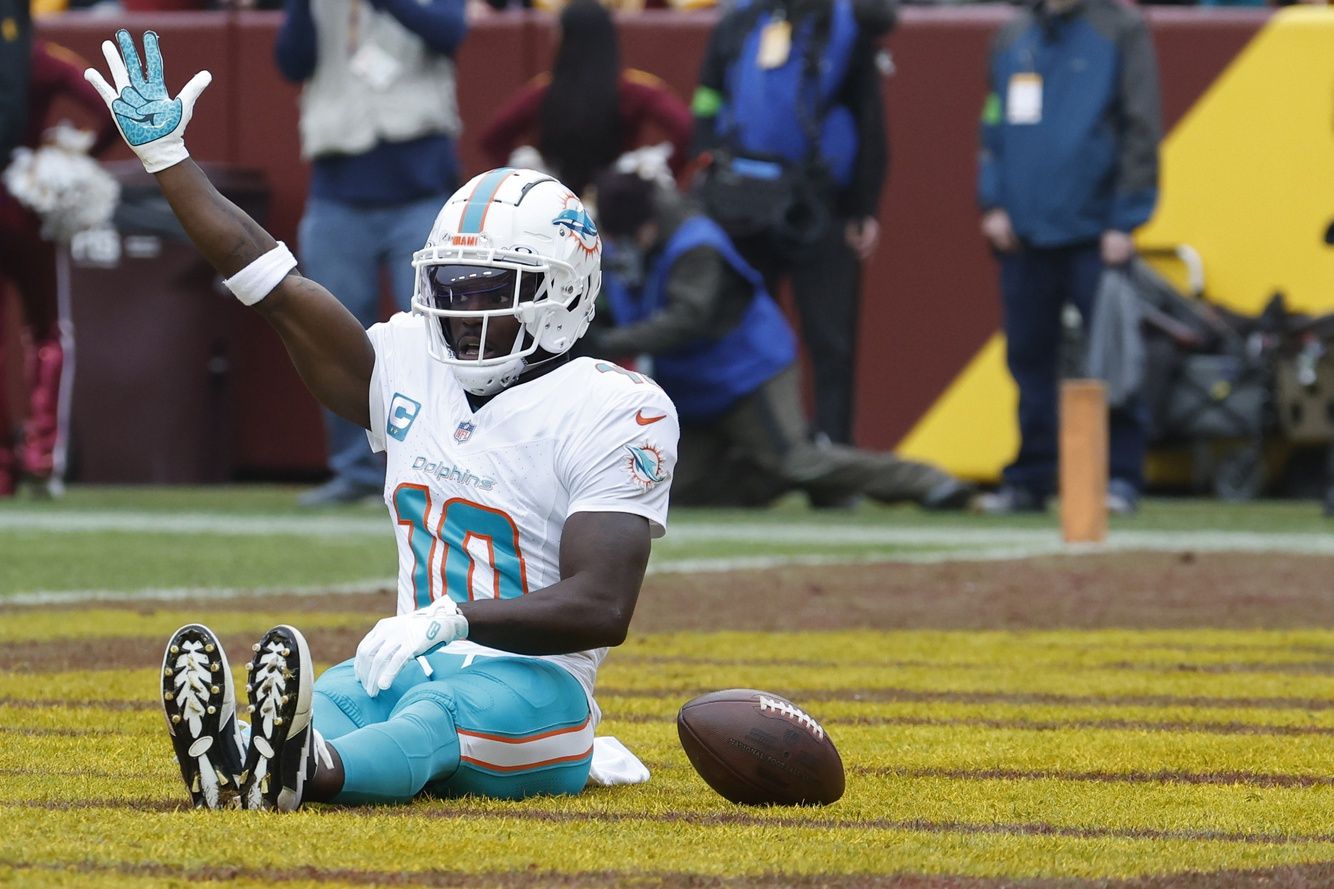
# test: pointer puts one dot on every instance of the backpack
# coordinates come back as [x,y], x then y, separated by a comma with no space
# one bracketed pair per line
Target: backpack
[785,140]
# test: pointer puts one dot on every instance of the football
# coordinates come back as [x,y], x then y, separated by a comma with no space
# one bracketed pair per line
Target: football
[758,748]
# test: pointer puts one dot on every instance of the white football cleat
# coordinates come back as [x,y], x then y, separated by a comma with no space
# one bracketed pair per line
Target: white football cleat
[199,701]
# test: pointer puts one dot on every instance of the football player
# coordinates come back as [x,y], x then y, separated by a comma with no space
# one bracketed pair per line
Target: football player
[523,489]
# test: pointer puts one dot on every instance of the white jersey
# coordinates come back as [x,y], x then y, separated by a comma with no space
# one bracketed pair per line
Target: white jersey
[479,500]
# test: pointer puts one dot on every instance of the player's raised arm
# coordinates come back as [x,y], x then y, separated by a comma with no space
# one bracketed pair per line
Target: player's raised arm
[328,346]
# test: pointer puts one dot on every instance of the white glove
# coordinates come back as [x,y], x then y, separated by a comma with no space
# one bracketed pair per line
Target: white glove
[397,640]
[152,123]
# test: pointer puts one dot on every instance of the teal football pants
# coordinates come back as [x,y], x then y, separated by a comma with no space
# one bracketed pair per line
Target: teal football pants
[505,727]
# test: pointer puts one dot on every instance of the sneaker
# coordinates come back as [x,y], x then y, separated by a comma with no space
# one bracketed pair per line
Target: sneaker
[199,701]
[338,492]
[1122,498]
[284,746]
[948,495]
[1007,501]
[834,503]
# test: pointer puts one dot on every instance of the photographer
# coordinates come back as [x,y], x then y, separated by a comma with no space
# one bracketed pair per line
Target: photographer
[790,89]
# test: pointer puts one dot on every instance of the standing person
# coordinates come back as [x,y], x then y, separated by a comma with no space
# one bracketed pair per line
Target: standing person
[15,51]
[28,261]
[379,120]
[522,491]
[725,355]
[588,110]
[794,85]
[1069,169]
[15,55]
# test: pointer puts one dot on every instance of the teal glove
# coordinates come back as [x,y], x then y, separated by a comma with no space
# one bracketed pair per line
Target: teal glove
[150,121]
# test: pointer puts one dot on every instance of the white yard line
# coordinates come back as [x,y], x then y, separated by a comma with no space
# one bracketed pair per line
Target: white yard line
[193,523]
[815,535]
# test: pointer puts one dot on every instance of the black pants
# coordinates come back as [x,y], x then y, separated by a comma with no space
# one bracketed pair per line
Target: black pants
[826,287]
[1036,283]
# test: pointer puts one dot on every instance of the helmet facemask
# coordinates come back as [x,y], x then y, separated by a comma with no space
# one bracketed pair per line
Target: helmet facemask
[468,295]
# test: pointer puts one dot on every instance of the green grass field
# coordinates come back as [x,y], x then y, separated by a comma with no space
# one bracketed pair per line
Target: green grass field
[1168,754]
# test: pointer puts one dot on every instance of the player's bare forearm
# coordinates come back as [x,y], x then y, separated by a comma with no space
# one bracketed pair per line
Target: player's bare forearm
[226,236]
[603,558]
[568,616]
[327,345]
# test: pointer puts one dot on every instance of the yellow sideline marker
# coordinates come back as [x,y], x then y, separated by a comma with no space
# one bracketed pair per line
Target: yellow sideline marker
[1083,461]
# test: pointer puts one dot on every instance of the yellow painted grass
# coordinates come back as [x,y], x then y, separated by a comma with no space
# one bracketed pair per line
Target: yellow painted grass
[832,713]
[892,777]
[95,873]
[919,796]
[1291,813]
[371,841]
[871,747]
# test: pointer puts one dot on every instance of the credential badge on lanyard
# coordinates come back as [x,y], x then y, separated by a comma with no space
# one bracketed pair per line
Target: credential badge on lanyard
[1023,100]
[775,43]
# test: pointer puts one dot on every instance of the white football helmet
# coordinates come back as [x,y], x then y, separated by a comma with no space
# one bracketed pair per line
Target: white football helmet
[510,243]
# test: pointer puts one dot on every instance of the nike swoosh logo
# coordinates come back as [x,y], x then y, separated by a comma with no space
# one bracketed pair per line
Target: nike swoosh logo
[645,421]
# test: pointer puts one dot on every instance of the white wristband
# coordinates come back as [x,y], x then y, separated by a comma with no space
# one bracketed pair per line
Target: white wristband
[257,280]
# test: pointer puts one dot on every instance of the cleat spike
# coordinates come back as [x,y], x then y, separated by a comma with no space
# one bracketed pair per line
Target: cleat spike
[212,710]
[213,689]
[166,696]
[255,647]
[166,671]
[210,648]
[175,649]
[215,667]
[175,718]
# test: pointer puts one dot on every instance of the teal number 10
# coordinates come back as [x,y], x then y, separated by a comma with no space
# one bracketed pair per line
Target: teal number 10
[482,557]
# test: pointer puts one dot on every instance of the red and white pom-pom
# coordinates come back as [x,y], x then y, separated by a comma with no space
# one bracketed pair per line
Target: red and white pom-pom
[59,182]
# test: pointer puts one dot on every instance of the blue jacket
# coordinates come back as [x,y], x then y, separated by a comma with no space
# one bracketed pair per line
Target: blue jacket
[1090,163]
[777,111]
[707,377]
[846,105]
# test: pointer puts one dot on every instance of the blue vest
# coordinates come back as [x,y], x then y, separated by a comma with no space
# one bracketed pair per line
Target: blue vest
[761,111]
[707,377]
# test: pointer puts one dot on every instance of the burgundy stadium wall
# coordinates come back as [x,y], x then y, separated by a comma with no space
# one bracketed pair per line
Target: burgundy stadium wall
[930,294]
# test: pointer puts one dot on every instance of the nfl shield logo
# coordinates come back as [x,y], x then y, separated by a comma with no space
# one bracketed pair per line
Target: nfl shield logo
[464,432]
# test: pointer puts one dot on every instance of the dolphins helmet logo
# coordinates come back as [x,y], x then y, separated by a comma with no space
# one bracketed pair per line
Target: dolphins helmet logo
[577,222]
[646,466]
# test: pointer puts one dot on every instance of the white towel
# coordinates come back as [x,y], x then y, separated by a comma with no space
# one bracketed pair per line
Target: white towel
[613,764]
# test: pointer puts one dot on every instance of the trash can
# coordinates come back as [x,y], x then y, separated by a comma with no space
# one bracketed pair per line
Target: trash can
[154,335]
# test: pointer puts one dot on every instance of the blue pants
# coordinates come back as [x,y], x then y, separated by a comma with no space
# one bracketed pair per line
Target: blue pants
[1036,283]
[505,727]
[344,248]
